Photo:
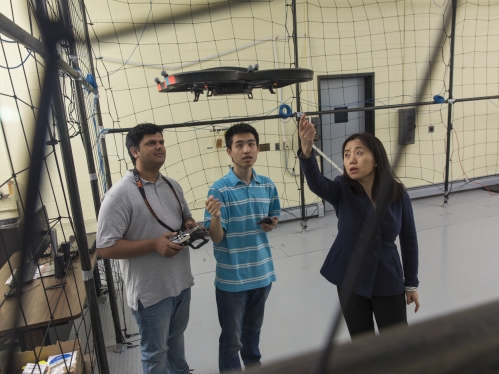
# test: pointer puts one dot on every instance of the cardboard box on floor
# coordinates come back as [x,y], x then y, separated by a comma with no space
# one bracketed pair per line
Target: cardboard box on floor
[22,358]
[89,362]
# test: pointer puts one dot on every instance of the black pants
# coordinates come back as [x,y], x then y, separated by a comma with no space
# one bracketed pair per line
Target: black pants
[358,311]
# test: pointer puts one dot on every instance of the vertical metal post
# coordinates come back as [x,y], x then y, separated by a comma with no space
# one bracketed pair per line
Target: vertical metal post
[77,212]
[97,103]
[303,221]
[450,101]
[87,143]
[34,177]
[109,183]
[79,225]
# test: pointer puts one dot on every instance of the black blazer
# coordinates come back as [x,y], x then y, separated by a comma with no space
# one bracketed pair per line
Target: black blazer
[381,272]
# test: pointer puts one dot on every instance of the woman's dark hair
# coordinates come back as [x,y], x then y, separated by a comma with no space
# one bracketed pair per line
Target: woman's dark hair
[239,128]
[383,174]
[135,136]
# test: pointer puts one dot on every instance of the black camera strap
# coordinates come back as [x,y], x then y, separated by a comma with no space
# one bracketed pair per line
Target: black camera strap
[139,184]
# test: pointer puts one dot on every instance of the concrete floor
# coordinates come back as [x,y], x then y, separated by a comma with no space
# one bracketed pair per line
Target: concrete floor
[459,261]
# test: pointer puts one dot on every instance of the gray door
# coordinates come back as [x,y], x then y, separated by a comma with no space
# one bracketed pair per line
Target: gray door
[340,93]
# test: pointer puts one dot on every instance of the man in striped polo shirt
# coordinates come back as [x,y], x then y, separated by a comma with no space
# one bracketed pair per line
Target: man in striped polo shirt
[245,271]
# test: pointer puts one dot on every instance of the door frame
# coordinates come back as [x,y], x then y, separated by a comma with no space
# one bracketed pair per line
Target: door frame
[369,122]
[368,95]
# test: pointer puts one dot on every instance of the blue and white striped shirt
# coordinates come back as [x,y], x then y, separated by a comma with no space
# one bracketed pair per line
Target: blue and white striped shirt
[244,258]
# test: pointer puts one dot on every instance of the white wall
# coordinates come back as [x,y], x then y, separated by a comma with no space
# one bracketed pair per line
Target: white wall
[393,39]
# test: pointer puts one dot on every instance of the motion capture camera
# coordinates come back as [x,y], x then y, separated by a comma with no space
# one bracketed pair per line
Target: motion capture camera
[190,236]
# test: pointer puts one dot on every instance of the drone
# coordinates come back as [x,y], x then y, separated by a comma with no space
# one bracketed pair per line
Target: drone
[231,80]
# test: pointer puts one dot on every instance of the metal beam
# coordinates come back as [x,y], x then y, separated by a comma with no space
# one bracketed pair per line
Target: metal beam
[278,116]
[304,218]
[18,34]
[450,107]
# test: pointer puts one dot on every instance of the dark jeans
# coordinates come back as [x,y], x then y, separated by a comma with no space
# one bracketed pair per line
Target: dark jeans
[241,317]
[358,311]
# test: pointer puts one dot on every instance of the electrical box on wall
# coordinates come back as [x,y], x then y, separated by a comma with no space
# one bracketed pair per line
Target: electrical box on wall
[341,117]
[217,144]
[316,121]
[407,126]
[264,147]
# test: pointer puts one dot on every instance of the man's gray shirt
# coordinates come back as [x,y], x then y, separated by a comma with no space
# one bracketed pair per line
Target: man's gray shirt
[124,215]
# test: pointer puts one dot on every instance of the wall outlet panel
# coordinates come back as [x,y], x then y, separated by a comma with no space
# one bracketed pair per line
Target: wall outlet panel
[287,145]
[277,146]
[264,147]
[407,126]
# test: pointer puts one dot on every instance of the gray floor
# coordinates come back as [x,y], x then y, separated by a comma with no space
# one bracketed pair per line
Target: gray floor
[459,260]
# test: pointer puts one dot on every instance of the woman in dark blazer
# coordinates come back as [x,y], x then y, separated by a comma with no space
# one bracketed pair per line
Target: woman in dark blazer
[366,232]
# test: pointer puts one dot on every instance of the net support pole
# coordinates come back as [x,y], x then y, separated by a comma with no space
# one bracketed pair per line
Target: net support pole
[450,106]
[76,208]
[94,183]
[107,263]
[34,177]
[97,104]
[79,225]
[303,221]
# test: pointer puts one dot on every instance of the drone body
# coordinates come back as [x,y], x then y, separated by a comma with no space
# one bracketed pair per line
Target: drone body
[232,80]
